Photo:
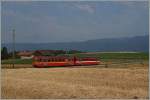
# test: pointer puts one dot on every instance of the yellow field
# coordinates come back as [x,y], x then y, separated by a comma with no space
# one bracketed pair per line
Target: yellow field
[30,83]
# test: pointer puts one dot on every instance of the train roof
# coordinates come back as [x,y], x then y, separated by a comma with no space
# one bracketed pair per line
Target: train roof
[62,57]
[47,57]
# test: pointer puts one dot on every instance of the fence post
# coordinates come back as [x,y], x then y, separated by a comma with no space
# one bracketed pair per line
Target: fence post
[106,65]
[142,63]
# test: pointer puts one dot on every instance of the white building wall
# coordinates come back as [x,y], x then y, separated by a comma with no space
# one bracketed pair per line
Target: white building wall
[27,57]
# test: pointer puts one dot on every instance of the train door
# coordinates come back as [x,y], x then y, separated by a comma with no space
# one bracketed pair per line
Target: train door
[74,60]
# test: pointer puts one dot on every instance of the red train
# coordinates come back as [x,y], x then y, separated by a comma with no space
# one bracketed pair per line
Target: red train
[48,61]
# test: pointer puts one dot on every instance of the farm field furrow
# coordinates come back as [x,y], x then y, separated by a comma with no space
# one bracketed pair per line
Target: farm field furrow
[31,83]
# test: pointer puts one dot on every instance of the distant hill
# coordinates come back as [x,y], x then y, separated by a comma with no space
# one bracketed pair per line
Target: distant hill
[138,43]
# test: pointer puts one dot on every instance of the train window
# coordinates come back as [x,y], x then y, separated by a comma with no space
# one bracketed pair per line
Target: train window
[45,60]
[66,60]
[35,59]
[59,59]
[62,59]
[54,59]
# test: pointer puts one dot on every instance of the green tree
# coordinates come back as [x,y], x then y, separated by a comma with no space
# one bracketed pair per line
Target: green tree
[4,53]
[74,51]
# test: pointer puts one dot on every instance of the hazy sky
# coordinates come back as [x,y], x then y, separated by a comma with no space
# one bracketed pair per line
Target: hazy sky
[50,21]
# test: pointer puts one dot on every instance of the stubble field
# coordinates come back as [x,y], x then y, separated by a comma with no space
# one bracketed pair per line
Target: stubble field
[66,83]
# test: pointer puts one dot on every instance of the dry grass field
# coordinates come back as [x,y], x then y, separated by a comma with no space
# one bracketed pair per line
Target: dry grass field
[32,83]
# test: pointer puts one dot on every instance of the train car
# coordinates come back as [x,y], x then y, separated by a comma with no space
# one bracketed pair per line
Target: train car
[48,61]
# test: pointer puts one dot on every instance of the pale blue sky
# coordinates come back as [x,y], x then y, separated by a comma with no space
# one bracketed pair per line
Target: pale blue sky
[50,21]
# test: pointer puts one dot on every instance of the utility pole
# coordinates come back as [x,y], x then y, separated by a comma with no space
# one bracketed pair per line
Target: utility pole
[13,47]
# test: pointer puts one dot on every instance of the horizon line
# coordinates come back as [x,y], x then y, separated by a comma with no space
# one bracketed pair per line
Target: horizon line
[76,41]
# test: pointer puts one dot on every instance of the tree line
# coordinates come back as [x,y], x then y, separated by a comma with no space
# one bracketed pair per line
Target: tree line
[8,55]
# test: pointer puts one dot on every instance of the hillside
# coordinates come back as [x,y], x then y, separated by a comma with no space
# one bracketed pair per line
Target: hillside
[138,43]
